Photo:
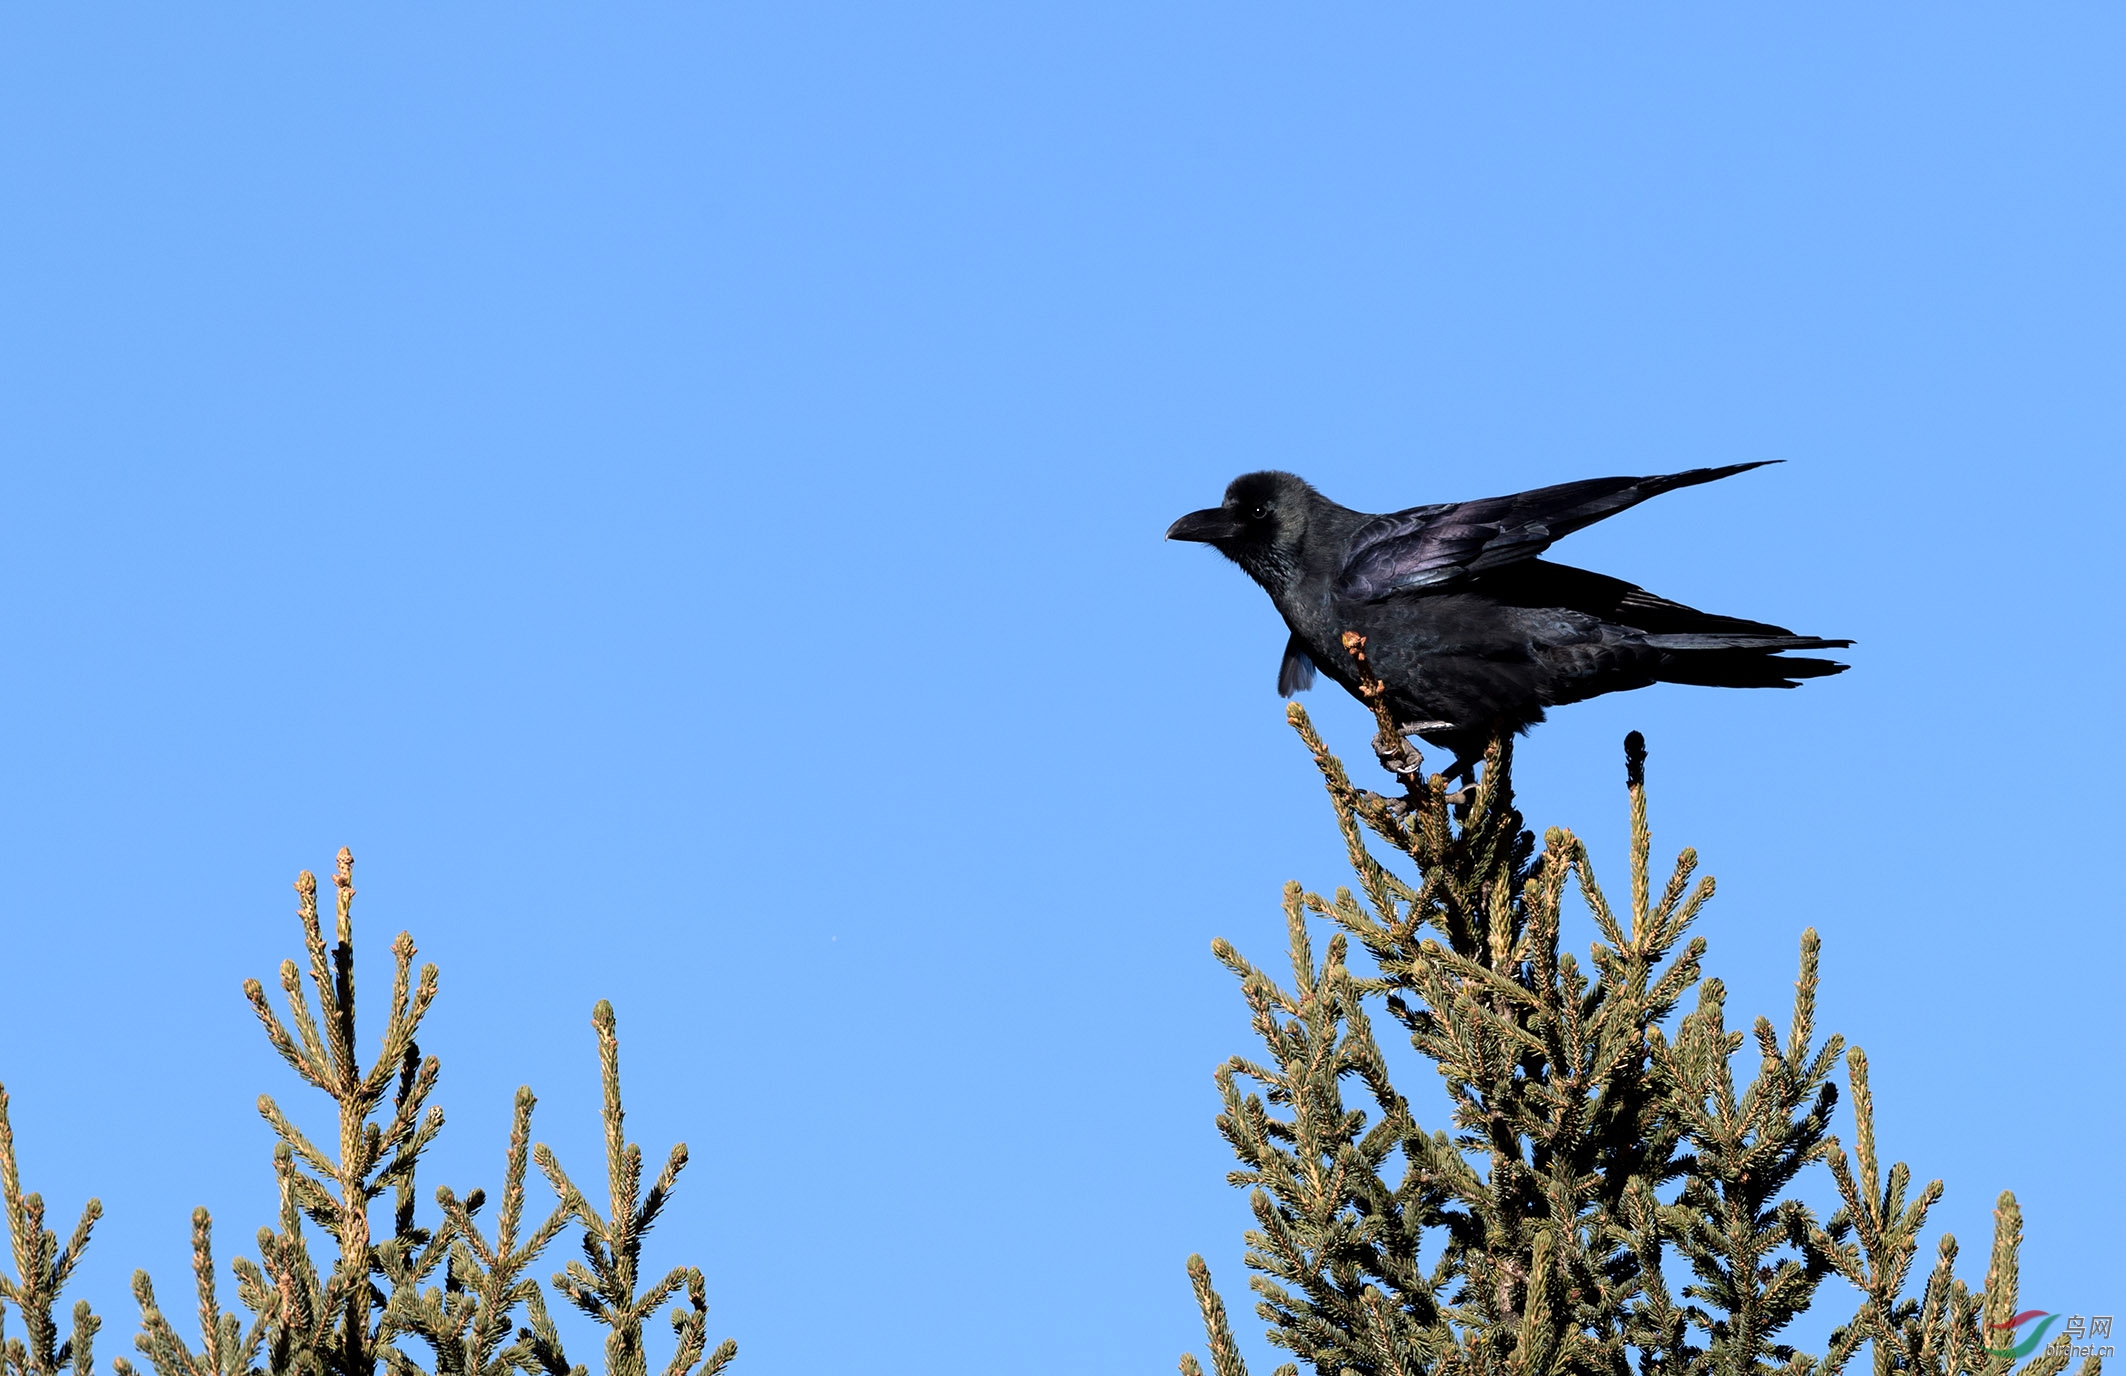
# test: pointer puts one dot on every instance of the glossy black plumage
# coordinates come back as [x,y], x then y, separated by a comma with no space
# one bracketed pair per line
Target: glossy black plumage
[1470,631]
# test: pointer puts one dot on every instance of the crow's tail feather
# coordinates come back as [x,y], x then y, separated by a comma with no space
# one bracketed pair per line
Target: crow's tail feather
[1744,661]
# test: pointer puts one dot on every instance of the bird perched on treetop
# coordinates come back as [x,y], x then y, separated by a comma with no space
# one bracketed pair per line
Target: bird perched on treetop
[1469,631]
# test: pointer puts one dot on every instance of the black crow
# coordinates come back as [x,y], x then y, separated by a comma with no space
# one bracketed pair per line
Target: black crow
[1470,632]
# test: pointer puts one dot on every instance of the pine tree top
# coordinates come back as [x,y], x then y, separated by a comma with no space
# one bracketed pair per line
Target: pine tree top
[1609,1195]
[443,1289]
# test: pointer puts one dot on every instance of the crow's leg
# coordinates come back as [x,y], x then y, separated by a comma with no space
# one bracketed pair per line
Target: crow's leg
[1464,769]
[1398,755]
[1397,752]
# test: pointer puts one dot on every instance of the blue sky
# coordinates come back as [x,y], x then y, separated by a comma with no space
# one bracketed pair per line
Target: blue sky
[678,491]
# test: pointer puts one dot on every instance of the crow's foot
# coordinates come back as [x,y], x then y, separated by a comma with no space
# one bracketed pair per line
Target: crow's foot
[1399,757]
[1463,798]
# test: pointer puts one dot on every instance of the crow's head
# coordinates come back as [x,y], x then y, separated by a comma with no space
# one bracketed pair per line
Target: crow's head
[1260,525]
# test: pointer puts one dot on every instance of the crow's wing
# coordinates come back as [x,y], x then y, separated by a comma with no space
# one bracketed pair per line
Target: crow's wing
[1296,673]
[1430,546]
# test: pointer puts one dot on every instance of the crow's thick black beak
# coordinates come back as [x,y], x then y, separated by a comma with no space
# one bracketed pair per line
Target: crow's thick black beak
[1206,527]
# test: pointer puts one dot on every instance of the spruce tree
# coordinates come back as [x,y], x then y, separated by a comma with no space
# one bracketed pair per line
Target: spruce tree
[1608,1195]
[410,1297]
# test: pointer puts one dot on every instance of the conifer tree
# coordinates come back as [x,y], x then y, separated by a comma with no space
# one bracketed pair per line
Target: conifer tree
[460,1297]
[1608,1196]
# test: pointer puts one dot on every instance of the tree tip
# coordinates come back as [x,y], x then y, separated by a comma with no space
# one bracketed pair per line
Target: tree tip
[1635,760]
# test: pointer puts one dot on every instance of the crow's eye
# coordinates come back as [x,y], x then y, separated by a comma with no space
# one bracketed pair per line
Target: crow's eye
[1259,512]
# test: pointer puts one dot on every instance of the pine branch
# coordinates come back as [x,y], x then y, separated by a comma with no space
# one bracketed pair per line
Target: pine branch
[42,1268]
[1597,1140]
[1748,1246]
[465,1321]
[339,1321]
[453,1288]
[1948,1330]
[1225,1353]
[604,1284]
[227,1348]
